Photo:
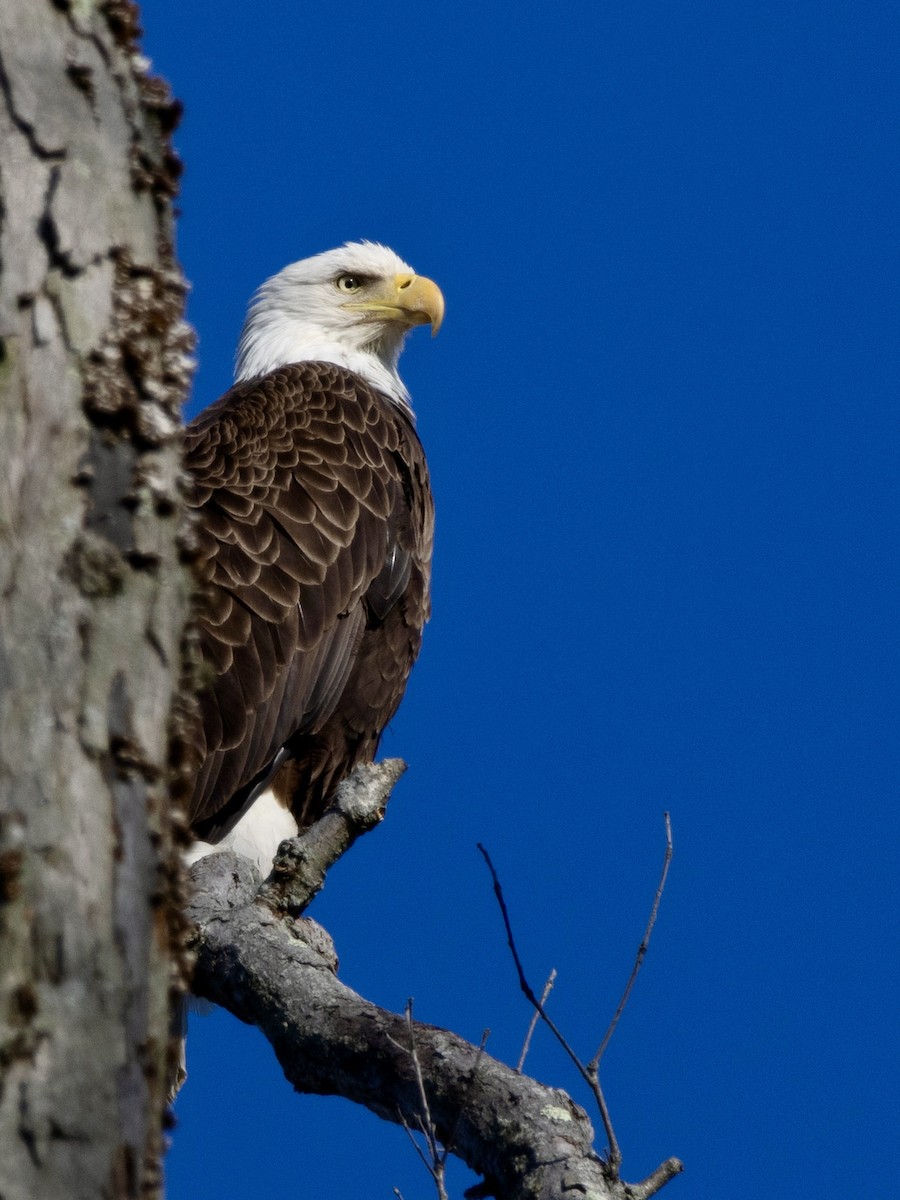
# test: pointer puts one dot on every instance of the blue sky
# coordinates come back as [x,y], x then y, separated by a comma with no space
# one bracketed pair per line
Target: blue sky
[661,421]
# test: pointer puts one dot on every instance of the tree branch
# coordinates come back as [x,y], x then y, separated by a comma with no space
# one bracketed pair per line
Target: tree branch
[300,866]
[592,1079]
[594,1064]
[273,970]
[535,1016]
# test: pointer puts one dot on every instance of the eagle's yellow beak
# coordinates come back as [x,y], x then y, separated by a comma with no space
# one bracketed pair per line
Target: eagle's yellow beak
[410,299]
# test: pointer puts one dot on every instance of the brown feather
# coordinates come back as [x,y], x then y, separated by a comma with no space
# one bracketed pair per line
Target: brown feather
[315,527]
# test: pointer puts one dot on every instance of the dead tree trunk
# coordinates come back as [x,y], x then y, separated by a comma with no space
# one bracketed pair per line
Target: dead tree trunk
[94,363]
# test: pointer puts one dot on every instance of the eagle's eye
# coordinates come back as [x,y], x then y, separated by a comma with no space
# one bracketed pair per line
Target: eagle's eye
[348,283]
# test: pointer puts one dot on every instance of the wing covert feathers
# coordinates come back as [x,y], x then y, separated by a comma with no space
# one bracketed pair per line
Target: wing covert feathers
[315,533]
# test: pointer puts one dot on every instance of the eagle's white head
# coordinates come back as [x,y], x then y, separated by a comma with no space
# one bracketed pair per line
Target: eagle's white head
[353,306]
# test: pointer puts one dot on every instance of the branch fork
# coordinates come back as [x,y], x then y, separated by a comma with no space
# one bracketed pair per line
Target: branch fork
[271,967]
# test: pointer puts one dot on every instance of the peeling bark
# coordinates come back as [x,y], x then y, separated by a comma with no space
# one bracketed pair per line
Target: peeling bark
[94,364]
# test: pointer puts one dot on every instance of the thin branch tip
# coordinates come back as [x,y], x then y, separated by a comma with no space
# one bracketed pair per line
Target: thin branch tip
[535,1016]
[588,1073]
[654,1182]
[643,947]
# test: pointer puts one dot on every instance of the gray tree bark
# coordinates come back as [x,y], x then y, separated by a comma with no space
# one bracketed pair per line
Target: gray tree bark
[94,364]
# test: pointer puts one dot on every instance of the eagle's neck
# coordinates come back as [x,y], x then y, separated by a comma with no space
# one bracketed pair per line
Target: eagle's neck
[271,339]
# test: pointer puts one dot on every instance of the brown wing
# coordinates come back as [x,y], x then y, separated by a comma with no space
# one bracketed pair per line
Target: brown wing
[315,530]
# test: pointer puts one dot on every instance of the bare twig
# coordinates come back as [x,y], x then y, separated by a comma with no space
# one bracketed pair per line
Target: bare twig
[436,1161]
[545,994]
[590,1072]
[614,1160]
[401,1120]
[415,1145]
[425,1121]
[437,1165]
[594,1064]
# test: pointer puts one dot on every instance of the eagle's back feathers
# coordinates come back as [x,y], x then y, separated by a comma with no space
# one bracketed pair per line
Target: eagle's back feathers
[315,535]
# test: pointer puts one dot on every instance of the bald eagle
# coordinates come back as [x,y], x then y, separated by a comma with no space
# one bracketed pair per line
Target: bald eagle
[315,524]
